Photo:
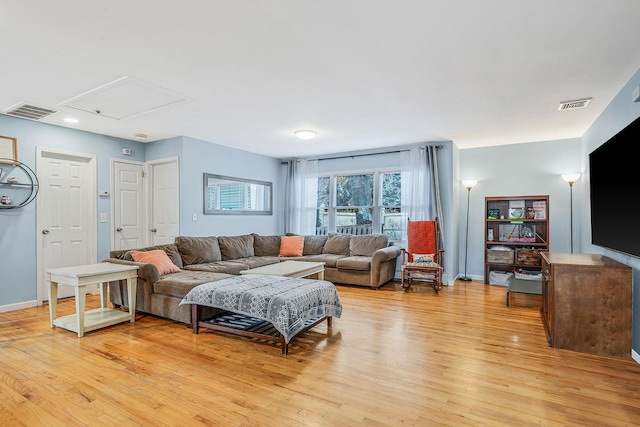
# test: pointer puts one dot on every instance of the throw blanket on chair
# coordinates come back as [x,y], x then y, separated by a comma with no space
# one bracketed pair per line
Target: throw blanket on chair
[284,301]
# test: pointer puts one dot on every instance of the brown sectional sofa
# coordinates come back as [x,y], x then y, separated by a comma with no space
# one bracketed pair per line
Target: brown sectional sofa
[352,260]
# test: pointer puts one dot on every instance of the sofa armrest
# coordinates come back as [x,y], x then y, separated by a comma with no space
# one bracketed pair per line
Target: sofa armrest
[383,265]
[384,255]
[147,272]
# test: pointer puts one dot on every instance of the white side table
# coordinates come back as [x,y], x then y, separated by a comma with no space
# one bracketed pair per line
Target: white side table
[80,277]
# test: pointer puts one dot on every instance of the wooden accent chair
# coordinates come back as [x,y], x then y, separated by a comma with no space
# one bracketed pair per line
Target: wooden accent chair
[422,259]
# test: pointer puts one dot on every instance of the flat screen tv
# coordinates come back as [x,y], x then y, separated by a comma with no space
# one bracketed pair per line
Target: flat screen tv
[614,192]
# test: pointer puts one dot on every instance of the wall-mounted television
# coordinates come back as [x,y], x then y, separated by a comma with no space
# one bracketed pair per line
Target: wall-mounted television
[614,174]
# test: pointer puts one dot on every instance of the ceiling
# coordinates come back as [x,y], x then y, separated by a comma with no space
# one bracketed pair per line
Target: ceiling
[365,74]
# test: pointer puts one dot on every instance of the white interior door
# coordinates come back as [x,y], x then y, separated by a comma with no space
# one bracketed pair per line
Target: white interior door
[164,190]
[66,214]
[128,230]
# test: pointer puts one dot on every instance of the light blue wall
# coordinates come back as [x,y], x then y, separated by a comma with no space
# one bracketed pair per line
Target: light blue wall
[618,114]
[18,239]
[518,170]
[199,157]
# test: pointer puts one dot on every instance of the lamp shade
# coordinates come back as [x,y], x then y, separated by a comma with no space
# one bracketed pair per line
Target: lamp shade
[571,177]
[469,183]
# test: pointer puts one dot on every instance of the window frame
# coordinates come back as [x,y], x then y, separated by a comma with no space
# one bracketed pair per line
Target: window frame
[376,208]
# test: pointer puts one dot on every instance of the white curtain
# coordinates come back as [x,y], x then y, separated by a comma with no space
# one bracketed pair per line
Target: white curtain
[420,187]
[301,197]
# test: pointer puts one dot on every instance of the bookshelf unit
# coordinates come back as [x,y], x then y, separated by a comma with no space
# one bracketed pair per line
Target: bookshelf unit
[520,223]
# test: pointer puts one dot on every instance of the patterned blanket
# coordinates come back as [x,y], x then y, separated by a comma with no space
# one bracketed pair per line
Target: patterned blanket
[284,301]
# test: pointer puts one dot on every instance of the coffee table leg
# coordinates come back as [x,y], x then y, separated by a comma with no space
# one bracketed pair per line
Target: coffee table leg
[80,305]
[104,286]
[131,295]
[53,301]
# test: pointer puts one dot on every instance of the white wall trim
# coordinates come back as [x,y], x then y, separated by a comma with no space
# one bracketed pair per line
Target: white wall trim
[18,306]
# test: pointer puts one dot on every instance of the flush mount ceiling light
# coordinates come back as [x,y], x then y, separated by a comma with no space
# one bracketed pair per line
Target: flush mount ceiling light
[141,137]
[70,120]
[305,134]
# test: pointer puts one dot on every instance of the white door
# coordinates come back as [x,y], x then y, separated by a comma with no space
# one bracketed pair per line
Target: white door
[66,214]
[128,231]
[164,217]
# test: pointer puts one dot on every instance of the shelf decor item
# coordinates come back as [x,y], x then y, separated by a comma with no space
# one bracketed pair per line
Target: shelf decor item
[493,213]
[8,150]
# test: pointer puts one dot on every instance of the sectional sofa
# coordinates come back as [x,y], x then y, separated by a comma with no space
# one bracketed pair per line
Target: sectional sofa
[351,260]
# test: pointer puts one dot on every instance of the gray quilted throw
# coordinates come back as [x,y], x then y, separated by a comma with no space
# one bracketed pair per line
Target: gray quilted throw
[284,301]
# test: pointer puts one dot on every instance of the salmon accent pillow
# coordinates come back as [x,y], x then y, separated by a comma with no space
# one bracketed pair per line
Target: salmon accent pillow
[159,258]
[291,245]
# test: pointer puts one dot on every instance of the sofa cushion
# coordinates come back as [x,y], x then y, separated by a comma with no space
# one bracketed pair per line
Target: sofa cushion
[360,263]
[367,245]
[179,284]
[198,250]
[228,267]
[329,260]
[259,261]
[266,245]
[158,258]
[337,244]
[313,245]
[291,246]
[235,247]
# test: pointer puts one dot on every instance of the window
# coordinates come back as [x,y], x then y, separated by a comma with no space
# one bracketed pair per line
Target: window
[363,203]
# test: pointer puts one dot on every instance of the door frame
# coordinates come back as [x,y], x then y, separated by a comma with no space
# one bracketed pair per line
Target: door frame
[145,198]
[92,229]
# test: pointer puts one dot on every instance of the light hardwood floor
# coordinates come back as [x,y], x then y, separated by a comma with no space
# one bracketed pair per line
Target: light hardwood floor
[394,358]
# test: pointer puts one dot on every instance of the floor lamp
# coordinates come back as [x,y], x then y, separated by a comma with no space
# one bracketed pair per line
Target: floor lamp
[469,184]
[571,178]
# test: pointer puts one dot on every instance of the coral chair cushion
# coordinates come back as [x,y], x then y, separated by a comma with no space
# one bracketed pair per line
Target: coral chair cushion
[421,238]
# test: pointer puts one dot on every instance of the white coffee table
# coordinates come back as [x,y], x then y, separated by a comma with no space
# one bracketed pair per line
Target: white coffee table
[290,269]
[80,277]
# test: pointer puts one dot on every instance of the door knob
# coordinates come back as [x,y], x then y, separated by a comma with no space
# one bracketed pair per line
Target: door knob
[119,229]
[45,231]
[153,230]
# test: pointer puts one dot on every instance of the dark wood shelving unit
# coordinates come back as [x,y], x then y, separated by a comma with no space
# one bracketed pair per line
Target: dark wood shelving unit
[527,237]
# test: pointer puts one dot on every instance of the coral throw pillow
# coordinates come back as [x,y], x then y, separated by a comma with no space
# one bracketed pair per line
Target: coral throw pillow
[291,245]
[159,258]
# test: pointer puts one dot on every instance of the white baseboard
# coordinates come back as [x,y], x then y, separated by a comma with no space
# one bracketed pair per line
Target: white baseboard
[19,306]
[635,356]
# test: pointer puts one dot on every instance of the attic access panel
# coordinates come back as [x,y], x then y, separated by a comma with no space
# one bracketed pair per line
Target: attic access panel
[123,98]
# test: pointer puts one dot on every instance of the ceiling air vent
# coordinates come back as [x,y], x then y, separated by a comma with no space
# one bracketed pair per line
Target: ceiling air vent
[572,105]
[30,112]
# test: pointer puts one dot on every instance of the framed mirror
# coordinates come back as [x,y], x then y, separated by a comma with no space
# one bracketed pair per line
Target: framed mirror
[225,195]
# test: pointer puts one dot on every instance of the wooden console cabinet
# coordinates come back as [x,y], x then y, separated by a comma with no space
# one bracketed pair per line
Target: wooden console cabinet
[586,303]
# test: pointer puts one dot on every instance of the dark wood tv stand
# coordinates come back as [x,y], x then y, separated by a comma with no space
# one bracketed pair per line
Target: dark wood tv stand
[586,303]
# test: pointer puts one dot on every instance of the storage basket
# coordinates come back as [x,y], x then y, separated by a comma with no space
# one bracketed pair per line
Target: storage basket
[495,256]
[526,256]
[499,278]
